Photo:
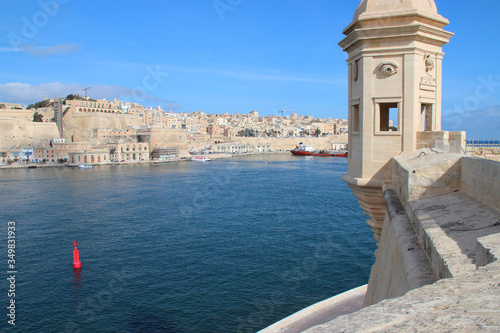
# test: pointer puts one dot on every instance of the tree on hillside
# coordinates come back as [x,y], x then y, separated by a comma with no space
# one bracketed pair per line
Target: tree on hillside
[79,97]
[42,104]
[247,132]
[37,117]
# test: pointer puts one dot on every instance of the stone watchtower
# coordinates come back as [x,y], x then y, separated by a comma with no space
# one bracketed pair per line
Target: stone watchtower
[395,61]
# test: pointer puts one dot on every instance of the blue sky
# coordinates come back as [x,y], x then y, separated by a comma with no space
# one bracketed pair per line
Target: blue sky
[228,56]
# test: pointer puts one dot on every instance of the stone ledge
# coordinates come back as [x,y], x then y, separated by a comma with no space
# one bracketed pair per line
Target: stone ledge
[448,226]
[463,304]
[320,312]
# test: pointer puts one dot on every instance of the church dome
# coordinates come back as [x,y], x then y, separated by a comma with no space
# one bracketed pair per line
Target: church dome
[378,7]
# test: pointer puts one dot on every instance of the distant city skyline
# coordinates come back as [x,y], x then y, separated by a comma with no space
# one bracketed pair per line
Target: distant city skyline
[228,56]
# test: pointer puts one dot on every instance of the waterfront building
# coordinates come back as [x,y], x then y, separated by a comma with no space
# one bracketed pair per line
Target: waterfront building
[129,152]
[240,148]
[165,154]
[92,156]
[58,150]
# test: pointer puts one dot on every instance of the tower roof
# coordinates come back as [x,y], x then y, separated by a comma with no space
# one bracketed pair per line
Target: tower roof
[375,8]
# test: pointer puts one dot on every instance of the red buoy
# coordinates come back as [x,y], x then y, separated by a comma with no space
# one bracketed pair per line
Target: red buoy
[76,258]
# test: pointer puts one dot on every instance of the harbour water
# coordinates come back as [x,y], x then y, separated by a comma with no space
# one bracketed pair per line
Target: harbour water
[225,246]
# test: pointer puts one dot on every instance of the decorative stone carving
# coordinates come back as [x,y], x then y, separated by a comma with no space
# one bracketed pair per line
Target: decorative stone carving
[355,70]
[388,68]
[429,63]
[427,79]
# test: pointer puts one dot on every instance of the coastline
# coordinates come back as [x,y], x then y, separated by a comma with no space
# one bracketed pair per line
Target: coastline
[216,156]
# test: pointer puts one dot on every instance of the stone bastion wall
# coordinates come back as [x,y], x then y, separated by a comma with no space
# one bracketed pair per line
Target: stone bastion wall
[436,267]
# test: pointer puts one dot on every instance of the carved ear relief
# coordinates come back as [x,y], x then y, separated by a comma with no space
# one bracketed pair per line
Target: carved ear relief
[429,63]
[388,68]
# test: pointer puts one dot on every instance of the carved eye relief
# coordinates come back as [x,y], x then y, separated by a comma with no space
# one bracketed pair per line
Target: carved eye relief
[388,68]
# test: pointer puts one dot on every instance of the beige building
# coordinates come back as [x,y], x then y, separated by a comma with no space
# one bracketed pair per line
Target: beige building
[59,150]
[98,106]
[92,156]
[240,148]
[129,152]
[327,128]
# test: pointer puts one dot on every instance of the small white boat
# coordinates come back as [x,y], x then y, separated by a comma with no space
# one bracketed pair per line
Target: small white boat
[85,166]
[200,158]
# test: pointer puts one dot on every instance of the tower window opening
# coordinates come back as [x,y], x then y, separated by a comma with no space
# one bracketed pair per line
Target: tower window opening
[355,117]
[389,117]
[426,119]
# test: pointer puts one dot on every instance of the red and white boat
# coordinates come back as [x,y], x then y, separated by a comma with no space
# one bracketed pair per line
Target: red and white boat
[200,159]
[306,150]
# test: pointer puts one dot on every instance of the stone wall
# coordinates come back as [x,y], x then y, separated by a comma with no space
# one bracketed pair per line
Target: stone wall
[26,133]
[17,113]
[79,125]
[437,266]
[402,263]
[441,209]
[480,179]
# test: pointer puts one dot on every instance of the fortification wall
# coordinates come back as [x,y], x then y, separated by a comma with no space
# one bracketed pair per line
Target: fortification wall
[15,132]
[79,125]
[17,113]
[437,266]
[442,212]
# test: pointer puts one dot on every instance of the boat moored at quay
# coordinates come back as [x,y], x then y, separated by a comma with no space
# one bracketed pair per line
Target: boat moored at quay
[200,159]
[306,150]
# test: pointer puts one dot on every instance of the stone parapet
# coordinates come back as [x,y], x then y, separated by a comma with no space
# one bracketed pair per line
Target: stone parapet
[402,263]
[466,303]
[480,179]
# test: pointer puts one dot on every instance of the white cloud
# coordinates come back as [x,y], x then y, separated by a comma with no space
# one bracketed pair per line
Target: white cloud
[25,93]
[43,50]
[479,124]
[51,50]
[8,49]
[259,74]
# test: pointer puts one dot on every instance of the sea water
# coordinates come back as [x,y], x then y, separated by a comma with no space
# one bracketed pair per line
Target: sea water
[225,246]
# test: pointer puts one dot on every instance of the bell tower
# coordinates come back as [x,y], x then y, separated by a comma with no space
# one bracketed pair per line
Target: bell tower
[395,57]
